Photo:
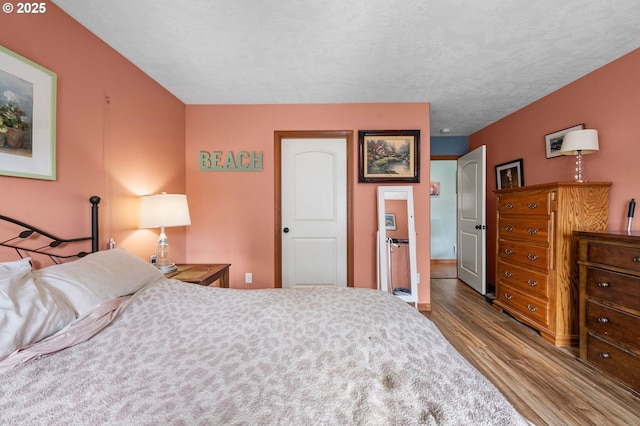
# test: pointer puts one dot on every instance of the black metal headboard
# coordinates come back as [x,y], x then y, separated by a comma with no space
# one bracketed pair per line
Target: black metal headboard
[31,231]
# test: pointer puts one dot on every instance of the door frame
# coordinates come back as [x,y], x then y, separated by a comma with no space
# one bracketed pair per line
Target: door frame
[448,157]
[277,154]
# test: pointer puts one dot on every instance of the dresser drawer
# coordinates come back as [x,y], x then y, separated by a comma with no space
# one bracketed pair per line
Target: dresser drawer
[613,323]
[527,254]
[533,307]
[523,279]
[612,287]
[614,360]
[532,202]
[534,229]
[620,256]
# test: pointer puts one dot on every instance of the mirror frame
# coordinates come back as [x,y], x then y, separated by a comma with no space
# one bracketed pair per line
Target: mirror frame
[397,193]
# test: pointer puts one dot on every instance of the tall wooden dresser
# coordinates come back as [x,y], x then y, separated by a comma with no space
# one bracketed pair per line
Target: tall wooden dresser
[609,266]
[536,281]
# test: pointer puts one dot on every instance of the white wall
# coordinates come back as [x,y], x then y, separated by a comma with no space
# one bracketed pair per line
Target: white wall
[443,210]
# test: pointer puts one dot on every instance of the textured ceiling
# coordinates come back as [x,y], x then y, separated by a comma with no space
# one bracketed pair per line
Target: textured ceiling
[474,61]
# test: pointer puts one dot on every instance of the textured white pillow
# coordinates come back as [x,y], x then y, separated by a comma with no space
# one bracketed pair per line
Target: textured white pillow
[98,277]
[28,312]
[17,266]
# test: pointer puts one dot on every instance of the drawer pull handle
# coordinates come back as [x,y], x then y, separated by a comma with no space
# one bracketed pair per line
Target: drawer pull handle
[636,259]
[603,320]
[509,206]
[531,308]
[508,296]
[533,205]
[508,228]
[532,256]
[508,251]
[603,284]
[508,274]
[532,283]
[604,355]
[532,231]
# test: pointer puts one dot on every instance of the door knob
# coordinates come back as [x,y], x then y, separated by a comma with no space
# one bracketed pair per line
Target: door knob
[285,230]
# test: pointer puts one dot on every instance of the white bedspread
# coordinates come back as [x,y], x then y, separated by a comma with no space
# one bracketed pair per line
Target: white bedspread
[185,354]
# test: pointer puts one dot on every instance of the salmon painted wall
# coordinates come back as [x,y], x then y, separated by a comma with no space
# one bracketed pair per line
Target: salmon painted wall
[143,130]
[233,212]
[608,100]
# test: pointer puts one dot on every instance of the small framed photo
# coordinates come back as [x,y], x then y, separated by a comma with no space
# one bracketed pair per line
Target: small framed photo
[510,175]
[390,221]
[434,189]
[27,118]
[553,141]
[389,156]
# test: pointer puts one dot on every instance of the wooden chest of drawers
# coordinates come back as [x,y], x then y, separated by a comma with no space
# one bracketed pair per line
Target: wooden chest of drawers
[609,266]
[535,252]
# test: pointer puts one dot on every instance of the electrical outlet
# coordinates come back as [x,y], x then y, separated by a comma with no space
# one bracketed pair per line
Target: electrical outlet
[248,278]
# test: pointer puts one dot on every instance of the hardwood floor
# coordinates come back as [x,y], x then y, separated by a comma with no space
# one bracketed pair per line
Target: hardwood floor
[547,384]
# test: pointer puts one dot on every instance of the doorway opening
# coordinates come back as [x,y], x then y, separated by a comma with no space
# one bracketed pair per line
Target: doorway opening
[443,216]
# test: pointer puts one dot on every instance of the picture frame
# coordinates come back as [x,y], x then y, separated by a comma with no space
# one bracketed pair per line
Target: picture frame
[510,174]
[390,222]
[28,114]
[389,156]
[434,189]
[553,141]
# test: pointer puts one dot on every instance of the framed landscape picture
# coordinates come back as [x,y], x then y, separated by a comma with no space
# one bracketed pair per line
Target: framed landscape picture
[27,118]
[389,156]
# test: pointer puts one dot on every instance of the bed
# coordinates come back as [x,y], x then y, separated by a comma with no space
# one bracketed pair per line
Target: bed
[116,342]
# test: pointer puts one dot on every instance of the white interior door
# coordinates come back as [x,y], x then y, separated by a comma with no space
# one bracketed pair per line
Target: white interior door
[314,212]
[472,247]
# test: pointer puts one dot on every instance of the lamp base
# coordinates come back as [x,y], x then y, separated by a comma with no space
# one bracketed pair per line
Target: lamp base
[165,269]
[579,176]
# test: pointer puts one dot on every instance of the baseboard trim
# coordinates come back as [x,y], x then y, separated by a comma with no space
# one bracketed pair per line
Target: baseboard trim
[424,307]
[443,261]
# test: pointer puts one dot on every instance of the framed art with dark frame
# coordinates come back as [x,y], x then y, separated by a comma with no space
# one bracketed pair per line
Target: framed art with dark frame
[389,156]
[553,141]
[27,118]
[510,175]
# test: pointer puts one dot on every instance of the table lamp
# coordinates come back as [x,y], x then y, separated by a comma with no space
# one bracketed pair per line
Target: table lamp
[579,142]
[161,211]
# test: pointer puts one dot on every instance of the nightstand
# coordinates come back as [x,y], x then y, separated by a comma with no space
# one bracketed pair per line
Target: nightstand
[202,274]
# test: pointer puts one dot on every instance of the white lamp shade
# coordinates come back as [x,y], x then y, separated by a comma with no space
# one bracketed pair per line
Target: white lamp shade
[585,141]
[164,210]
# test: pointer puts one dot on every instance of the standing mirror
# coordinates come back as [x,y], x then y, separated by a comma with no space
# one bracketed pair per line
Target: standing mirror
[397,243]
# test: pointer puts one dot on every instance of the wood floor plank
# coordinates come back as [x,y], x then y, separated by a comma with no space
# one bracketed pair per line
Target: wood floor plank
[549,385]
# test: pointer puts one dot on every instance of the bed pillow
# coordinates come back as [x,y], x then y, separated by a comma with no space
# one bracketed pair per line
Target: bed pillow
[17,266]
[98,277]
[28,312]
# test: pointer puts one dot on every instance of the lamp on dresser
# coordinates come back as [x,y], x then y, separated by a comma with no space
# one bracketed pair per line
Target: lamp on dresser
[578,143]
[160,211]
